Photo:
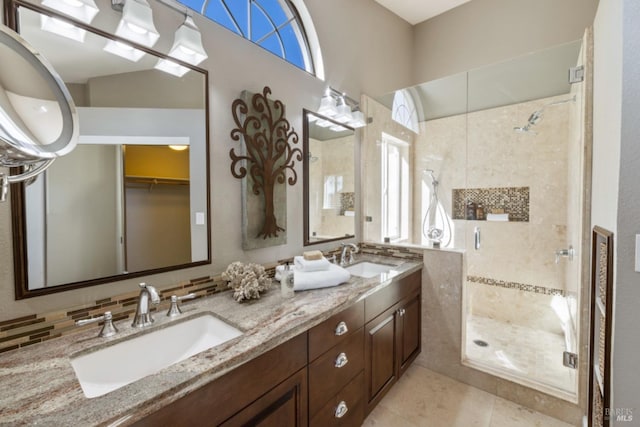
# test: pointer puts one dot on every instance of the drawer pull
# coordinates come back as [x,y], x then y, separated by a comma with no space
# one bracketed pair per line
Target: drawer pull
[341,329]
[341,360]
[341,409]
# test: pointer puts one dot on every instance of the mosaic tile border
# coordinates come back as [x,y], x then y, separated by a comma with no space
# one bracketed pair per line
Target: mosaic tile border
[515,285]
[403,252]
[511,200]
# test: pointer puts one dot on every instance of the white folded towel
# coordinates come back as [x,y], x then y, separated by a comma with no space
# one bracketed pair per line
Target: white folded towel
[302,264]
[497,217]
[305,280]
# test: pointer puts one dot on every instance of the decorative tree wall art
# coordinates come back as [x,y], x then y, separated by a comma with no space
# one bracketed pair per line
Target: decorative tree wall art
[266,157]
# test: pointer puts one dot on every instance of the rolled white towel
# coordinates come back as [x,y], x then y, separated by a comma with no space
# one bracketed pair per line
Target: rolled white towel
[497,217]
[305,280]
[306,265]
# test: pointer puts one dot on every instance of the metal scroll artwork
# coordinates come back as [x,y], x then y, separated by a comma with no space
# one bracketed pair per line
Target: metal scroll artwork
[266,156]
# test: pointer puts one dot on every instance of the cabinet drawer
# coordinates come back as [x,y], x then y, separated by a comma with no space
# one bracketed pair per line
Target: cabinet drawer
[326,378]
[332,331]
[385,298]
[351,398]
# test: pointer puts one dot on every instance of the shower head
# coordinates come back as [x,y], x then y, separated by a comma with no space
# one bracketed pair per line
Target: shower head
[535,117]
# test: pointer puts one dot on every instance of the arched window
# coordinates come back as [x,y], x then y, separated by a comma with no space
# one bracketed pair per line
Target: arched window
[280,26]
[404,110]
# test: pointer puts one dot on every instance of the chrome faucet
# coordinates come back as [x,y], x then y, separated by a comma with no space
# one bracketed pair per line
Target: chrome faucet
[352,248]
[143,314]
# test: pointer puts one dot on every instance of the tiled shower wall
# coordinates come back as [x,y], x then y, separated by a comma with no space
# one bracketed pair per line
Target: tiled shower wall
[480,151]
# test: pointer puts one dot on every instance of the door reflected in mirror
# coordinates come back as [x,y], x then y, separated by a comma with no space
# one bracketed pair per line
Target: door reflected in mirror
[132,199]
[329,171]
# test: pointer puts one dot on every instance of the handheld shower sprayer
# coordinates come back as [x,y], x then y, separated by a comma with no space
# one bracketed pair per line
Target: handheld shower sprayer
[433,228]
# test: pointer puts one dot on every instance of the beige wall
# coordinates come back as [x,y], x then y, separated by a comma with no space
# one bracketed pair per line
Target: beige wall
[346,31]
[483,32]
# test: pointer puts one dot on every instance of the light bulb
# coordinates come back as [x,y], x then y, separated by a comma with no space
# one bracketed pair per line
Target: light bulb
[136,28]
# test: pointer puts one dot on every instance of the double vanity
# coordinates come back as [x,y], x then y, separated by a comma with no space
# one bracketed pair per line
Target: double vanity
[324,357]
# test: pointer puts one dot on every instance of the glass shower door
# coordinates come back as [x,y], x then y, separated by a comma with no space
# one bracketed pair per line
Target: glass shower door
[523,205]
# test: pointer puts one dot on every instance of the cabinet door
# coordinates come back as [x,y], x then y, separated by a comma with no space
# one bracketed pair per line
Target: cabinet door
[410,331]
[283,406]
[380,356]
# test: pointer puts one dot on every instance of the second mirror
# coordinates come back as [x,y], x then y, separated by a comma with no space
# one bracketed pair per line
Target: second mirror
[329,176]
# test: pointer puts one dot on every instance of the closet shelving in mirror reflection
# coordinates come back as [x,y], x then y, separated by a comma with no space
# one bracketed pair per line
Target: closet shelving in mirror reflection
[107,225]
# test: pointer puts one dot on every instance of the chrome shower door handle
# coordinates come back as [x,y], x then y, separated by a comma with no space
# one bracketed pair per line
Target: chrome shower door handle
[476,238]
[565,253]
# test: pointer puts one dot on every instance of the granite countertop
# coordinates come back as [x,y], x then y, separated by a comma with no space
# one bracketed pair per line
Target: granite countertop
[39,386]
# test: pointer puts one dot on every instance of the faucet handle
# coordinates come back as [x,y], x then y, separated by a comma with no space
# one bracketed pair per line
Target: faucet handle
[108,329]
[174,310]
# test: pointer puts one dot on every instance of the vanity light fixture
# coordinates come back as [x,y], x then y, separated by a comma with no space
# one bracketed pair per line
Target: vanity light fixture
[179,147]
[171,67]
[137,22]
[62,28]
[343,114]
[82,10]
[324,123]
[187,44]
[338,106]
[328,105]
[357,119]
[123,50]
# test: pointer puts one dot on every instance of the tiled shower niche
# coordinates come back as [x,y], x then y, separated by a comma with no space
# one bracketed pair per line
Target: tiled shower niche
[511,200]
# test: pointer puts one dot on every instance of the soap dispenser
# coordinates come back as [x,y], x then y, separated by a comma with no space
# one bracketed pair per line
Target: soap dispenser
[286,282]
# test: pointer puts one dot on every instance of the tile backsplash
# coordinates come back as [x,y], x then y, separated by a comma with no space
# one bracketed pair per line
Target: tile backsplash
[36,328]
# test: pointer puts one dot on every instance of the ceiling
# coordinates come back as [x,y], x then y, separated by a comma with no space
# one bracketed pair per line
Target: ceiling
[416,11]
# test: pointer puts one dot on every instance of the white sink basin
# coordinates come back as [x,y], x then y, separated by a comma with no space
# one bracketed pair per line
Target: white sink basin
[122,363]
[368,269]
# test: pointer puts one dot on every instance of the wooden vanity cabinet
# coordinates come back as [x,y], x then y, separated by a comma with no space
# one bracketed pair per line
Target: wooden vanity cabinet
[392,335]
[270,390]
[331,375]
[336,369]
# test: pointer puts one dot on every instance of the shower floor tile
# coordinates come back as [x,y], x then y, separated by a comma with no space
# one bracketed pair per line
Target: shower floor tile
[532,354]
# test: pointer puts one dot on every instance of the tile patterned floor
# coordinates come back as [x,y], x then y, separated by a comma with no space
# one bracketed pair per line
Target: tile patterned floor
[529,353]
[423,398]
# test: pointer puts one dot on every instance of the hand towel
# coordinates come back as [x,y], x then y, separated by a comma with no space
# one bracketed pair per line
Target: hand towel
[498,217]
[305,280]
[302,264]
[312,255]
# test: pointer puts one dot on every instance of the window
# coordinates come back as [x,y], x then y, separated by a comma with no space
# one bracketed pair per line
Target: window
[395,188]
[275,25]
[404,110]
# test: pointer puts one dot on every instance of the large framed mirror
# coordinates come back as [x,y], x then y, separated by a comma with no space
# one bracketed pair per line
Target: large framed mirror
[329,179]
[133,198]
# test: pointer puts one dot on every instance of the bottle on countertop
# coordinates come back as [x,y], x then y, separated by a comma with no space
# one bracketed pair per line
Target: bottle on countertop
[286,282]
[480,214]
[471,210]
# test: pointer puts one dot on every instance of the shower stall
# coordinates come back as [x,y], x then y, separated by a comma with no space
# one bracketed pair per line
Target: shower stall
[500,167]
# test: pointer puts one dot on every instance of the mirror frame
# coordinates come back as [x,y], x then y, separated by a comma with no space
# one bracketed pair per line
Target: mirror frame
[305,174]
[18,210]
